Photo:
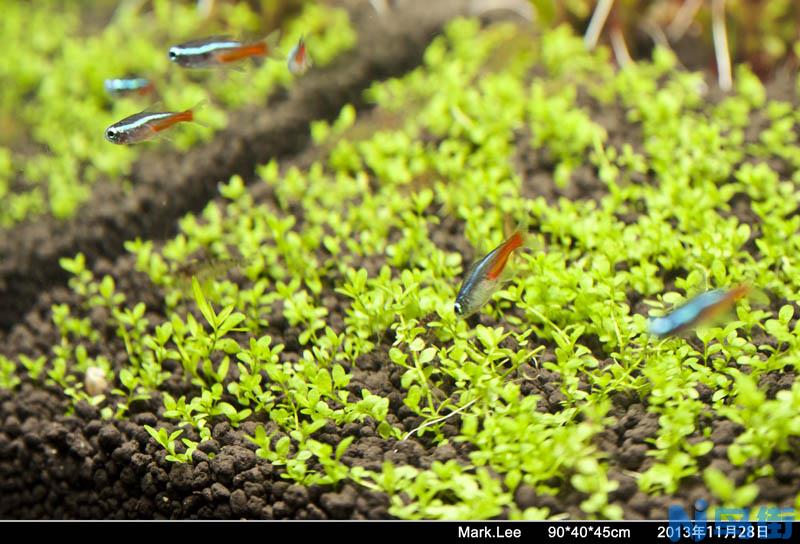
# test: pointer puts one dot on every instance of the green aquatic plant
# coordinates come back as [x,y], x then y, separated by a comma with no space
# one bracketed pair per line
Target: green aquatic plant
[167,441]
[725,490]
[8,373]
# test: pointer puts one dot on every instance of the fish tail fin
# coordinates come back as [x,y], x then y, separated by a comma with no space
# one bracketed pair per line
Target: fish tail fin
[190,113]
[267,47]
[517,239]
[264,48]
[755,295]
[504,252]
[741,290]
[761,296]
[309,60]
[271,43]
[198,106]
[523,242]
[522,226]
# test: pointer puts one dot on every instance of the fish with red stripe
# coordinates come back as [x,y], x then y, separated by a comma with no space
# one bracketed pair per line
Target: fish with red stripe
[697,310]
[147,124]
[299,60]
[485,276]
[220,51]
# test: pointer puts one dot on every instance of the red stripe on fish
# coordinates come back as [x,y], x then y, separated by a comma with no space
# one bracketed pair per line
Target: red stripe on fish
[179,117]
[514,242]
[253,50]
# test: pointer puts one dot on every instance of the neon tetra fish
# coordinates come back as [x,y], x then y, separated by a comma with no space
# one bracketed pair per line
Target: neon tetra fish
[128,85]
[485,276]
[145,125]
[701,308]
[299,61]
[218,51]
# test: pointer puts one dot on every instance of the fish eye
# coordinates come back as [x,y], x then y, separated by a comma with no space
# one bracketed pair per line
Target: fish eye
[457,308]
[111,134]
[173,54]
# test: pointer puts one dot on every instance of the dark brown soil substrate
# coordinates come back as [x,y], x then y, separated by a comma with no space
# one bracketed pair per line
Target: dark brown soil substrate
[79,466]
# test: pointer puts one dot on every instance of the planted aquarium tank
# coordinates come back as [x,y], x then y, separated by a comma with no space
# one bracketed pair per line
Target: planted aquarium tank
[350,259]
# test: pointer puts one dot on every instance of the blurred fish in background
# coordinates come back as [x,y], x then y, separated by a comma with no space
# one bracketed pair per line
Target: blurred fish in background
[118,87]
[299,60]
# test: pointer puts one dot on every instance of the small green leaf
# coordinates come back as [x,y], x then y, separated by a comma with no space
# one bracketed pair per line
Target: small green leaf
[226,409]
[282,446]
[202,304]
[340,377]
[107,287]
[342,447]
[228,345]
[427,355]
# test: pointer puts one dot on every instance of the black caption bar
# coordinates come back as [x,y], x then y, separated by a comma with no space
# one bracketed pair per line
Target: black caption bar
[417,532]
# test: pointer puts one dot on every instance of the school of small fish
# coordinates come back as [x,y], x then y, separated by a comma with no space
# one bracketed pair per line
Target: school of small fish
[489,273]
[481,280]
[210,52]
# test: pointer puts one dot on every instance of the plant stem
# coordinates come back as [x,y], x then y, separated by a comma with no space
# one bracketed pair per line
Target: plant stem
[619,47]
[721,44]
[547,321]
[439,420]
[686,14]
[596,24]
[424,379]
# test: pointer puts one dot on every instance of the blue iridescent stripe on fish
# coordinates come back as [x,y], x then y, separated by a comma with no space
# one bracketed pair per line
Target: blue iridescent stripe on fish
[125,85]
[685,315]
[203,48]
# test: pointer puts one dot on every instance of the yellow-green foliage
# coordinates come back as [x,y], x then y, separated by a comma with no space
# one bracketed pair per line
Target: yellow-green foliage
[54,112]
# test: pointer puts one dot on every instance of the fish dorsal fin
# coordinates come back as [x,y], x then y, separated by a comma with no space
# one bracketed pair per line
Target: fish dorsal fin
[481,252]
[155,107]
